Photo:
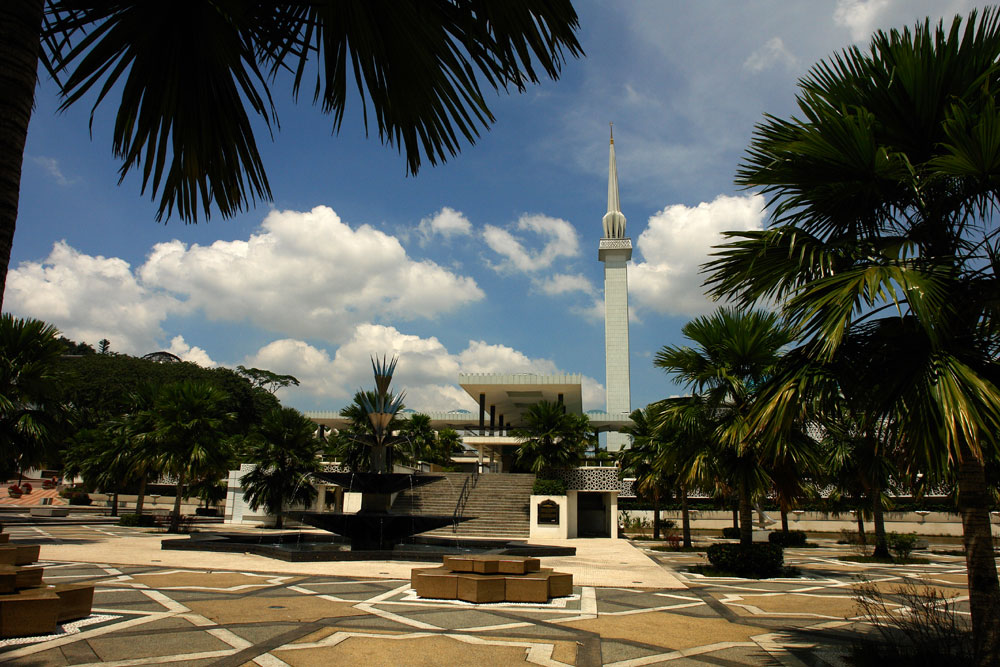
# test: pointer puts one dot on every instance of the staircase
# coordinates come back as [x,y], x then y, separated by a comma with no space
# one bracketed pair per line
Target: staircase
[498,501]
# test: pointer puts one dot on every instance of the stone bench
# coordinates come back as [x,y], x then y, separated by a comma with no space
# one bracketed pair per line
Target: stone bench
[49,510]
[482,579]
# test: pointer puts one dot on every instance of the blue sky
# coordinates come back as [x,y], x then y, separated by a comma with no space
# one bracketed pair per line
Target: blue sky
[487,263]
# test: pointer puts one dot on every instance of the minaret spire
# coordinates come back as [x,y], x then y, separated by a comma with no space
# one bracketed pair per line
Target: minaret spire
[615,251]
[614,219]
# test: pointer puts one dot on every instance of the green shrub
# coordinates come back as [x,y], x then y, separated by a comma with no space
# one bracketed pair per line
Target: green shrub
[793,538]
[901,544]
[756,560]
[141,520]
[206,511]
[731,533]
[80,499]
[549,487]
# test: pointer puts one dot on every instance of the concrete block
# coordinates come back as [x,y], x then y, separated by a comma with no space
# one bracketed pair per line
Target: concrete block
[532,587]
[481,588]
[26,553]
[518,564]
[30,612]
[560,584]
[435,582]
[8,554]
[75,600]
[49,511]
[29,576]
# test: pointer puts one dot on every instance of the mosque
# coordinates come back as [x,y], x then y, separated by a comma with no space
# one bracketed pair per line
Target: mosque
[503,398]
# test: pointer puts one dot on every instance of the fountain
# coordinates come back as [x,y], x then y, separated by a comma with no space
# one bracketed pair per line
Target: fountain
[374,532]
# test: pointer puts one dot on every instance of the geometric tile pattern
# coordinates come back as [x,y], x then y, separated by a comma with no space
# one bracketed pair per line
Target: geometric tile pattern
[169,615]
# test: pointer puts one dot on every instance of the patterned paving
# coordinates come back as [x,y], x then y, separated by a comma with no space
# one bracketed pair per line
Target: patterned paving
[168,615]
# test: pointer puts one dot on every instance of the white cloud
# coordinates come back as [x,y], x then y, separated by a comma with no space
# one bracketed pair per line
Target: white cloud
[308,274]
[772,53]
[51,165]
[447,223]
[427,371]
[677,242]
[565,283]
[558,236]
[186,352]
[860,17]
[90,298]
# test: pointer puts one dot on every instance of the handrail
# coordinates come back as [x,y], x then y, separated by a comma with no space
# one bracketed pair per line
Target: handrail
[463,497]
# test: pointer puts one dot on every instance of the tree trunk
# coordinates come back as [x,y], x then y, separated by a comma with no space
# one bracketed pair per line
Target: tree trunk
[861,527]
[878,518]
[977,537]
[114,504]
[784,520]
[279,520]
[746,516]
[656,514]
[141,498]
[685,518]
[20,28]
[736,514]
[175,515]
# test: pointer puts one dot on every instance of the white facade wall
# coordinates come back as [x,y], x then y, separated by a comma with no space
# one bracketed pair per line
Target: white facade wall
[616,352]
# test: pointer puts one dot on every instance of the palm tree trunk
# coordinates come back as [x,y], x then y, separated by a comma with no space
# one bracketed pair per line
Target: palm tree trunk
[861,527]
[141,498]
[984,589]
[656,514]
[114,504]
[20,27]
[736,514]
[746,516]
[784,520]
[685,518]
[175,515]
[878,518]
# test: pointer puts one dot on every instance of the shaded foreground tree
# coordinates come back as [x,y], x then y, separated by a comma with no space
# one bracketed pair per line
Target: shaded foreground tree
[419,67]
[284,451]
[734,354]
[883,194]
[644,460]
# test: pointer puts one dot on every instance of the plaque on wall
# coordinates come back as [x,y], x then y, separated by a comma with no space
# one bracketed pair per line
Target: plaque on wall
[548,512]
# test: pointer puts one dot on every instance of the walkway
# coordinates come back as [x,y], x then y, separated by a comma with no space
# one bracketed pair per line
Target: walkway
[163,607]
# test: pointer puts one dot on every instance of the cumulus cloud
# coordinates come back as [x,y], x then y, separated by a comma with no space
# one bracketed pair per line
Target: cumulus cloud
[308,274]
[90,298]
[565,283]
[427,371]
[557,238]
[190,353]
[51,165]
[677,241]
[446,223]
[772,53]
[860,17]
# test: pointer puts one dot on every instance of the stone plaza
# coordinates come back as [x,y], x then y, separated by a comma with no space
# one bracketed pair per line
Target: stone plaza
[630,605]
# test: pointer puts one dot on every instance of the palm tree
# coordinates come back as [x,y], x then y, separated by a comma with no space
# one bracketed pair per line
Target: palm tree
[185,114]
[550,438]
[643,460]
[736,353]
[190,429]
[29,410]
[284,453]
[882,196]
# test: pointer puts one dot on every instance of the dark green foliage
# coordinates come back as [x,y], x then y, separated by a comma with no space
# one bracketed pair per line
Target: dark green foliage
[137,520]
[73,348]
[550,438]
[80,499]
[206,511]
[105,385]
[793,538]
[549,487]
[754,561]
[731,533]
[901,544]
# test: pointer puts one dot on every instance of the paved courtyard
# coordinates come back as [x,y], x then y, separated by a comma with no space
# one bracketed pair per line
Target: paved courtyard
[161,607]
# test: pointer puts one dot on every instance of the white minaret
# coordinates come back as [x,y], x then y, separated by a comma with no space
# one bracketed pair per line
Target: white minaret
[615,251]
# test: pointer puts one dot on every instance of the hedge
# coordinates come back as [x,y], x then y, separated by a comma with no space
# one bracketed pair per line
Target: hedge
[548,487]
[756,560]
[793,538]
[142,520]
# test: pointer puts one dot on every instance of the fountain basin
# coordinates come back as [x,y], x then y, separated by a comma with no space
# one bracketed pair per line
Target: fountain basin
[305,547]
